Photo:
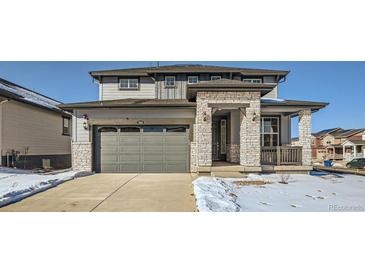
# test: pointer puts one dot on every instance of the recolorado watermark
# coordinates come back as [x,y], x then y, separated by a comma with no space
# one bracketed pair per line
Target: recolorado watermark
[348,208]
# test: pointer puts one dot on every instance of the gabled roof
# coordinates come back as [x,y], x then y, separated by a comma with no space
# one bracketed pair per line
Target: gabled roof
[189,68]
[130,103]
[355,142]
[225,85]
[326,131]
[345,133]
[18,93]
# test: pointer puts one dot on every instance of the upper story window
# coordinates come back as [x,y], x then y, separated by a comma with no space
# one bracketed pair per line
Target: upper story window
[128,83]
[170,81]
[193,79]
[215,77]
[253,81]
[66,126]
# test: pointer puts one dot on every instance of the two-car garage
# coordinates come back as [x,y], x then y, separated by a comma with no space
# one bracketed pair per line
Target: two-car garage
[155,148]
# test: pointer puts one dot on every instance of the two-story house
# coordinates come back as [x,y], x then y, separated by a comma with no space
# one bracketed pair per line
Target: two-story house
[190,118]
[345,144]
[319,143]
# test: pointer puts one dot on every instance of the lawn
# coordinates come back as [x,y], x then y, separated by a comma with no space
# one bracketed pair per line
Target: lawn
[319,191]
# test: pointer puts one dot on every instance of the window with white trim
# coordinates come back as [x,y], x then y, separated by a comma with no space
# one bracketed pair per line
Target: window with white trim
[253,81]
[270,131]
[128,83]
[215,77]
[193,79]
[170,81]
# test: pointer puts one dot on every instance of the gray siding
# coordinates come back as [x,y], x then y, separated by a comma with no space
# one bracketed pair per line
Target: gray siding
[150,89]
[179,91]
[129,117]
[274,93]
[109,89]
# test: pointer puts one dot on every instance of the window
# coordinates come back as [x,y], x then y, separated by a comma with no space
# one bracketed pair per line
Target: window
[128,84]
[170,81]
[66,127]
[175,129]
[270,131]
[215,77]
[130,129]
[107,129]
[153,129]
[253,81]
[193,79]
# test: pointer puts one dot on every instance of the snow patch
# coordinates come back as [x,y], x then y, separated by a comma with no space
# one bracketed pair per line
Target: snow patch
[213,194]
[320,191]
[18,184]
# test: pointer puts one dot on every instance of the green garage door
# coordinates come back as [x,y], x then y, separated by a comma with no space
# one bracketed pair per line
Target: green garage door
[142,149]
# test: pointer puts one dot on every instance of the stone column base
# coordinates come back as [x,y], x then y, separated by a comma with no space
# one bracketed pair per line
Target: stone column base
[233,153]
[82,156]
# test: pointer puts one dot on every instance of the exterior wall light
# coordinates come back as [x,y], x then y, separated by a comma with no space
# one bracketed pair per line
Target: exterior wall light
[254,117]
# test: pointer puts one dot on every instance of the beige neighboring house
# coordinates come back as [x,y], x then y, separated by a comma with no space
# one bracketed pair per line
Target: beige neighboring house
[344,144]
[190,118]
[34,132]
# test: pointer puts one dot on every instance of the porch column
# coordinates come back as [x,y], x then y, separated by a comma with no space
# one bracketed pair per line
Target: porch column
[305,132]
[203,128]
[250,122]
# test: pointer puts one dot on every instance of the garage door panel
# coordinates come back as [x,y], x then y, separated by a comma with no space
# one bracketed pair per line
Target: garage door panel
[129,150]
[130,167]
[176,167]
[130,157]
[153,157]
[151,151]
[105,167]
[176,157]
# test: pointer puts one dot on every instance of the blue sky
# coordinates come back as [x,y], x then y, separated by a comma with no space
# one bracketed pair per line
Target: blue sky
[339,83]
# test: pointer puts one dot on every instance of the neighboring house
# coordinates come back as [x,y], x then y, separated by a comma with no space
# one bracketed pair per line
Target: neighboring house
[319,145]
[190,118]
[341,144]
[338,146]
[34,132]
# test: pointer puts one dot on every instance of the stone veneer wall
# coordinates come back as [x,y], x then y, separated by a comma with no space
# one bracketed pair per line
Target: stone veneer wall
[305,136]
[250,146]
[82,156]
[201,147]
[233,153]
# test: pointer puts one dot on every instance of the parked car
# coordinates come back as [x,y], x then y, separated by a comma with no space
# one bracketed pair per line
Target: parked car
[356,163]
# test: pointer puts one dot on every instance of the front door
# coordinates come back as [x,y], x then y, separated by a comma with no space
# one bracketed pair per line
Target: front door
[219,140]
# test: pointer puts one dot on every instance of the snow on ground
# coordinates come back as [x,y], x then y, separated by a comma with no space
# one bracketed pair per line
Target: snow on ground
[319,191]
[17,184]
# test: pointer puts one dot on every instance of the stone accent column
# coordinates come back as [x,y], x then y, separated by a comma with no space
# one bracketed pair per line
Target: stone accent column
[233,153]
[82,156]
[203,131]
[305,135]
[250,148]
[194,151]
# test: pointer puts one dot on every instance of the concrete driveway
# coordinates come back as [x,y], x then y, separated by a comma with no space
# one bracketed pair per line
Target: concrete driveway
[115,192]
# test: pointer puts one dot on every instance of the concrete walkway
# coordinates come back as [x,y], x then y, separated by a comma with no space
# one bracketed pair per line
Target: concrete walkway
[115,192]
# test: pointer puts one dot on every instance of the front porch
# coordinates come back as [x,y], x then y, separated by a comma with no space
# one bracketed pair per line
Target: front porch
[234,124]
